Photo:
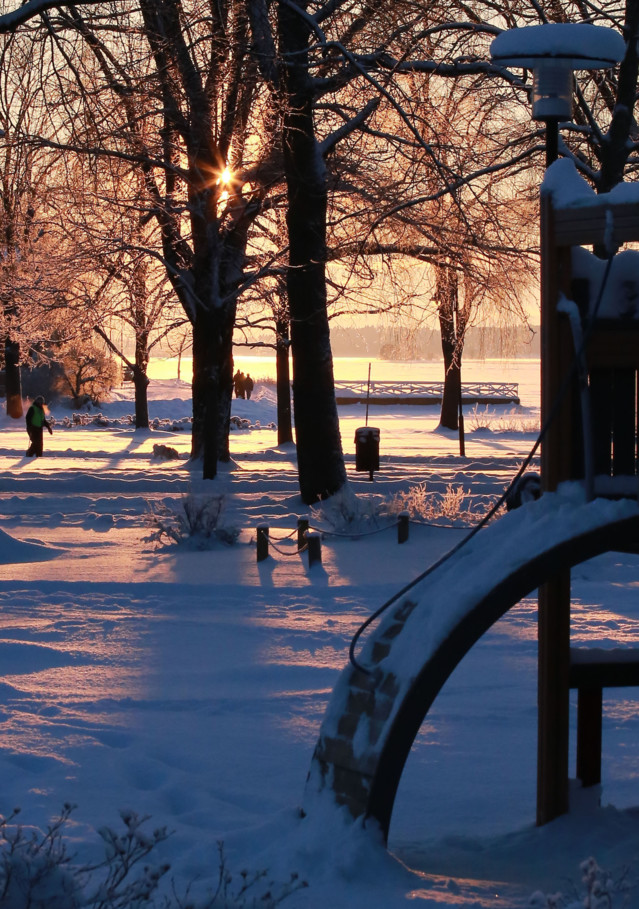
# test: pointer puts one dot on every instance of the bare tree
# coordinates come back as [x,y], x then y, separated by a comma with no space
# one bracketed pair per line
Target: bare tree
[28,256]
[125,293]
[334,71]
[175,101]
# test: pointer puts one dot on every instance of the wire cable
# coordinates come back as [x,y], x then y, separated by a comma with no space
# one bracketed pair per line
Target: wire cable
[355,533]
[282,552]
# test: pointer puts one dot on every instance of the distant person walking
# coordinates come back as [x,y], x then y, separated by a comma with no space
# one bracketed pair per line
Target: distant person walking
[36,421]
[249,385]
[239,380]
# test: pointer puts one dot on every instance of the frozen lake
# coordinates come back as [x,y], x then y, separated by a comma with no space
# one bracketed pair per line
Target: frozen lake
[523,371]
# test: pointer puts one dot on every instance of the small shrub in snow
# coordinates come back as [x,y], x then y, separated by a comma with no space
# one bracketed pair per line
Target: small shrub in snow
[198,523]
[599,890]
[349,514]
[165,453]
[431,506]
[244,424]
[231,892]
[511,421]
[37,872]
[170,425]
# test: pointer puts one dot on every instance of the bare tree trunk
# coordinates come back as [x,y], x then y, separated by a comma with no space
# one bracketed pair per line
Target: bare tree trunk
[140,377]
[140,385]
[284,422]
[13,383]
[141,381]
[319,447]
[449,417]
[452,338]
[212,389]
[615,151]
[139,370]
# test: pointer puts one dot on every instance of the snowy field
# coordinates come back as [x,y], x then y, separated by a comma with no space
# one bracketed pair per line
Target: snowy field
[189,684]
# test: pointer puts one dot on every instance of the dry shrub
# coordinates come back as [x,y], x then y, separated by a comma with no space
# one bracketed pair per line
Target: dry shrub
[433,506]
[486,420]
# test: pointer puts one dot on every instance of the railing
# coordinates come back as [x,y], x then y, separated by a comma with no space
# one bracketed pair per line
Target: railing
[424,392]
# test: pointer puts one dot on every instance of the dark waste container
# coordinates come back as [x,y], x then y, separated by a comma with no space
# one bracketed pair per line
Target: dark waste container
[367,449]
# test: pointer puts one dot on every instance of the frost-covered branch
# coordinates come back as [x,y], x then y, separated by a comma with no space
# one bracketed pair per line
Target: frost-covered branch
[10,22]
[349,127]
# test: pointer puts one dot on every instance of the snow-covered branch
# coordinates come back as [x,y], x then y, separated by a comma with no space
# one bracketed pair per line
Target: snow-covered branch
[350,126]
[9,22]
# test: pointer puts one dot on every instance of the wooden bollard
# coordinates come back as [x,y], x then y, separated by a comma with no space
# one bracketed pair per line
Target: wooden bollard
[302,527]
[262,542]
[314,542]
[402,526]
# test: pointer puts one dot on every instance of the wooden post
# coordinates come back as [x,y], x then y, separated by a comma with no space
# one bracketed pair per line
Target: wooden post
[553,698]
[402,526]
[262,542]
[554,595]
[314,548]
[589,715]
[302,527]
[556,354]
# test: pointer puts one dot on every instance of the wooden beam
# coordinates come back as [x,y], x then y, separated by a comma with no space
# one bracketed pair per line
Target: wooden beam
[614,347]
[591,225]
[598,668]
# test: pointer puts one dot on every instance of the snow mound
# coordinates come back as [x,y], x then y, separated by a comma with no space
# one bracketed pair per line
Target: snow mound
[12,550]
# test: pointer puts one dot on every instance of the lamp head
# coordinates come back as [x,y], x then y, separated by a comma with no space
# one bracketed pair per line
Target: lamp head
[553,52]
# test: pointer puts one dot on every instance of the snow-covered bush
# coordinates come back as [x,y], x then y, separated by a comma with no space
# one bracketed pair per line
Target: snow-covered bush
[35,869]
[171,425]
[198,523]
[243,424]
[599,890]
[349,514]
[37,872]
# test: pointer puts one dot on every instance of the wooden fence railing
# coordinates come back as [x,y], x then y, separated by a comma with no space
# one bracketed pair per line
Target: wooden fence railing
[424,392]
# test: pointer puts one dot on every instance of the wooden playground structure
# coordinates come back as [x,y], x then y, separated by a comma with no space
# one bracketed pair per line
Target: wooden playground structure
[592,437]
[590,370]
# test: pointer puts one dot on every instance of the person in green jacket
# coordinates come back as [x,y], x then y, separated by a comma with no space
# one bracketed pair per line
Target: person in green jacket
[36,421]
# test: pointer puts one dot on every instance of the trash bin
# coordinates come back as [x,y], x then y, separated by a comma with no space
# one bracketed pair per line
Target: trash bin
[367,449]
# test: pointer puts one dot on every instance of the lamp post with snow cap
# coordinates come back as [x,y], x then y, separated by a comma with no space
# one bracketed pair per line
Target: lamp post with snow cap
[554,52]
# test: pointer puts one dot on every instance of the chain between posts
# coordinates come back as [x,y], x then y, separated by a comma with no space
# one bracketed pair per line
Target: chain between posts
[309,540]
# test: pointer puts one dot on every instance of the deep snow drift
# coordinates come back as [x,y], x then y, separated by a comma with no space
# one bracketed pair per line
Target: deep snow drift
[189,684]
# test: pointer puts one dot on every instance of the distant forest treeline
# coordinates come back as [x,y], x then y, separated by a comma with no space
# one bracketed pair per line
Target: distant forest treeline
[399,343]
[482,342]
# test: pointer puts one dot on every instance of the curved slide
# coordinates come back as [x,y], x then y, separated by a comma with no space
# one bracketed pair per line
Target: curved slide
[372,718]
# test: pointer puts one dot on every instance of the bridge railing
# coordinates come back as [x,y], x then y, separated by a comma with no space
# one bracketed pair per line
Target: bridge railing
[508,391]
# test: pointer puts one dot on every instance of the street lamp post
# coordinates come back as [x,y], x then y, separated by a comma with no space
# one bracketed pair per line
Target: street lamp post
[554,52]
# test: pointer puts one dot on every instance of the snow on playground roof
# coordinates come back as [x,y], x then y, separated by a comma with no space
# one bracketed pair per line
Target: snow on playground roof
[569,189]
[580,46]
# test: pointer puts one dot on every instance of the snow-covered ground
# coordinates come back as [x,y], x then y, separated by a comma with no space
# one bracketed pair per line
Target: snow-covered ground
[189,684]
